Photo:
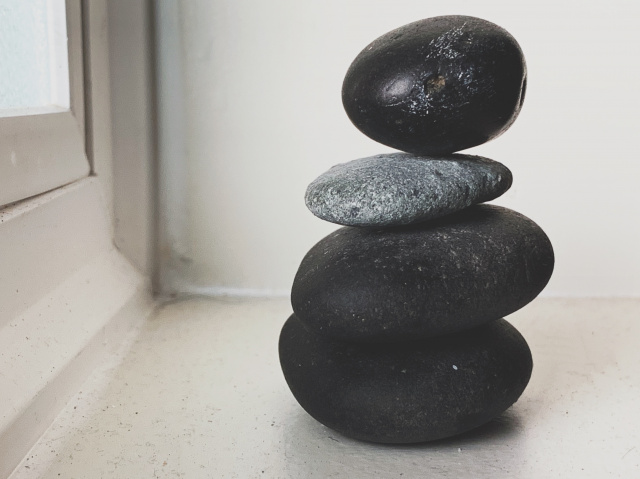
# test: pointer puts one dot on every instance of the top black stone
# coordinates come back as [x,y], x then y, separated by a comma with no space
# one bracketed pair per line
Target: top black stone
[437,85]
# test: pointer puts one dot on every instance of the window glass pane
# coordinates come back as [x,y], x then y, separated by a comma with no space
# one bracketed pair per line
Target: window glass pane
[34,69]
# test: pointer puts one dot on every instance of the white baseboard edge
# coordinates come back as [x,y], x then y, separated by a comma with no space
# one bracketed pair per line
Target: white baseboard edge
[222,291]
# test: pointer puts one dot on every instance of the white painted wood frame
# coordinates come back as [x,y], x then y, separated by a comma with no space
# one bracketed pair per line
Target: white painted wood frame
[68,294]
[39,152]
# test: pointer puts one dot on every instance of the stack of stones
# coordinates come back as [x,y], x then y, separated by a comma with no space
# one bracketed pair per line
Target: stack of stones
[397,335]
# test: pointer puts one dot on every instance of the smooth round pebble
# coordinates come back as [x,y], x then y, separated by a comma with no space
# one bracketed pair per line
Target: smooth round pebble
[437,85]
[409,392]
[400,188]
[428,279]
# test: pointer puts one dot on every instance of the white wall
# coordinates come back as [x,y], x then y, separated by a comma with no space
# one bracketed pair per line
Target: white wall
[263,117]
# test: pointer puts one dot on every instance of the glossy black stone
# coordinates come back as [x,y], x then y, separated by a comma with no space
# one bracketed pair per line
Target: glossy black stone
[409,392]
[433,278]
[437,85]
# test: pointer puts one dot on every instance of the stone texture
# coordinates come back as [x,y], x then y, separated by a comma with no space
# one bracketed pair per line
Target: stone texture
[408,392]
[437,85]
[436,277]
[400,188]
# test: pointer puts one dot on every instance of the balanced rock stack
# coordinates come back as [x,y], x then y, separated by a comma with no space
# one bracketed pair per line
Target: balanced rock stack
[397,335]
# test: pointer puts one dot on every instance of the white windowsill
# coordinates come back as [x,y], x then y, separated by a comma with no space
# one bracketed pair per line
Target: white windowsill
[200,394]
[67,299]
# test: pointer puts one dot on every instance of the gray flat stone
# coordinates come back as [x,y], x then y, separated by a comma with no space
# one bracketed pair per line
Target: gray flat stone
[401,188]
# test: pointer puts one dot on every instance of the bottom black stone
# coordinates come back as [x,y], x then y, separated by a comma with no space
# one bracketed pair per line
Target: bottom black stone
[406,392]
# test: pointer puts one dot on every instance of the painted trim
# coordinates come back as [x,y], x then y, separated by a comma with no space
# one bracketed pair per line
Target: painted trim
[69,295]
[133,161]
[40,152]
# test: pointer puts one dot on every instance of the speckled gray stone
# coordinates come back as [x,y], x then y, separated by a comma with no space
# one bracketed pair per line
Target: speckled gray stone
[401,188]
[406,392]
[423,280]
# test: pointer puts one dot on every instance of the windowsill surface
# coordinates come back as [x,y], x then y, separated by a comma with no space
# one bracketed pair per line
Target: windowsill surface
[200,394]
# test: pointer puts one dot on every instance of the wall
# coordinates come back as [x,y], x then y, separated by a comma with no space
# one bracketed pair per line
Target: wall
[260,97]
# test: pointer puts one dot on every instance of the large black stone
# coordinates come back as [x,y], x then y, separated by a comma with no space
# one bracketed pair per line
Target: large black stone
[406,392]
[437,85]
[418,281]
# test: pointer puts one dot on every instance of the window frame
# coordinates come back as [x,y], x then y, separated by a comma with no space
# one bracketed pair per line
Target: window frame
[42,149]
[78,259]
